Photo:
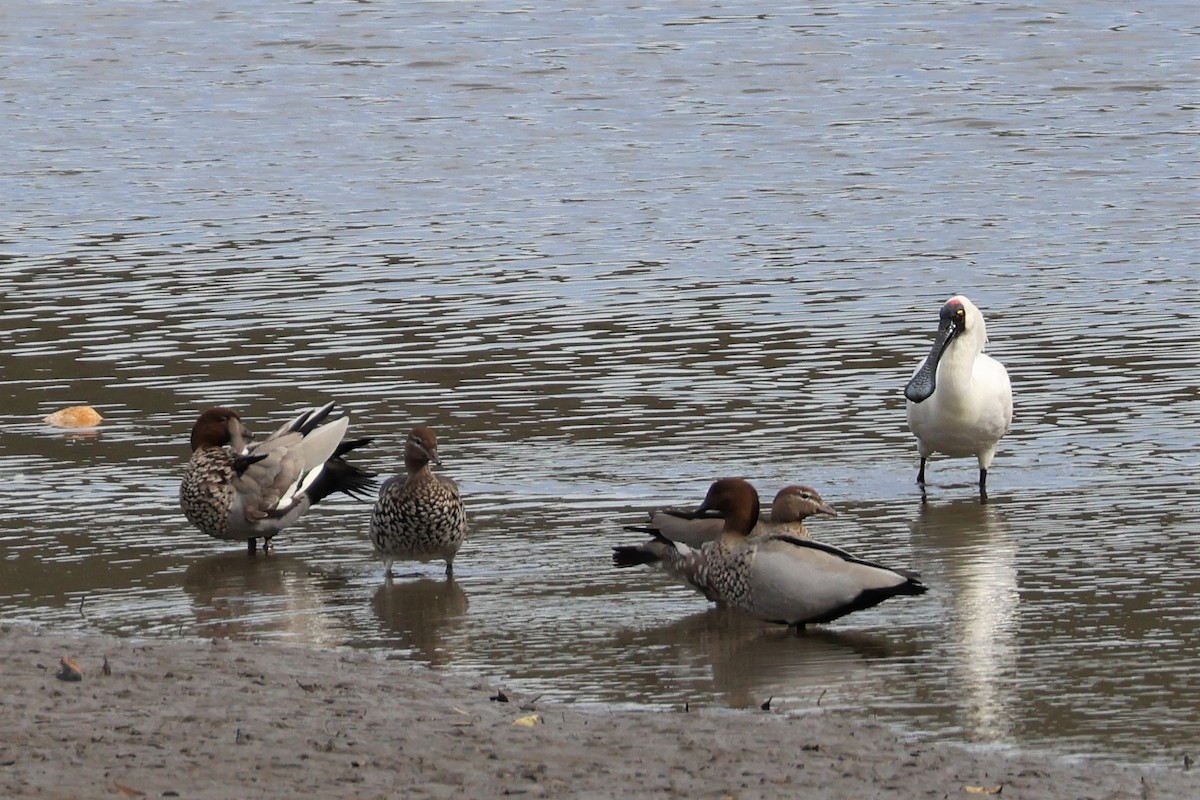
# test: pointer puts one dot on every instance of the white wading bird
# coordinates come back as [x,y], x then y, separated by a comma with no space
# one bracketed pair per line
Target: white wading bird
[959,399]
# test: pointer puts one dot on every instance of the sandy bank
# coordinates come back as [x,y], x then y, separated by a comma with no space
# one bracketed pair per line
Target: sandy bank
[239,719]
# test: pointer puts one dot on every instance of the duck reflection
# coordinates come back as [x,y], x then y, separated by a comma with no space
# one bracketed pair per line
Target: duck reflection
[421,614]
[751,662]
[234,597]
[975,554]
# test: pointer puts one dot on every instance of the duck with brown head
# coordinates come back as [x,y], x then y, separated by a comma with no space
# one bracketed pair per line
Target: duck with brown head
[777,578]
[792,506]
[419,515]
[237,489]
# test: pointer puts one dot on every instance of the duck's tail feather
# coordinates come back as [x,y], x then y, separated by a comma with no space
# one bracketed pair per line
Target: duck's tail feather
[310,420]
[348,445]
[339,475]
[634,555]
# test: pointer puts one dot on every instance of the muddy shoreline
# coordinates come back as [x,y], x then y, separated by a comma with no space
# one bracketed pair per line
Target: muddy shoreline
[219,719]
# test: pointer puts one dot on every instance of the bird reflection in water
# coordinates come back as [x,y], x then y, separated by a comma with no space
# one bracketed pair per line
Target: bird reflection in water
[750,661]
[421,615]
[975,558]
[237,597]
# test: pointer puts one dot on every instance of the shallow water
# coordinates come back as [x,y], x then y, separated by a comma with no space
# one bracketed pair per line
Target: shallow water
[612,254]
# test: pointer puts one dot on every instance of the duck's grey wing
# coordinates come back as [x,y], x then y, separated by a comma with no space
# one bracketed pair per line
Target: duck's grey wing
[678,528]
[801,581]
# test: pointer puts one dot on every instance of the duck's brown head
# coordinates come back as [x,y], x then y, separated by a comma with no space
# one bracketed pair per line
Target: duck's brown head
[220,426]
[733,500]
[420,448]
[798,502]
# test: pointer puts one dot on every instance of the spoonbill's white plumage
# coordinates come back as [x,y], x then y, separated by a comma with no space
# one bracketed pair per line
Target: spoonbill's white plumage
[959,399]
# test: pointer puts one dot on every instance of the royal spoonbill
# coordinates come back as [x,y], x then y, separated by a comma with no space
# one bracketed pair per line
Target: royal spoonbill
[959,399]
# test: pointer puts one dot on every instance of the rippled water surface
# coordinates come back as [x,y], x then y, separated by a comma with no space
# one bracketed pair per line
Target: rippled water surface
[611,253]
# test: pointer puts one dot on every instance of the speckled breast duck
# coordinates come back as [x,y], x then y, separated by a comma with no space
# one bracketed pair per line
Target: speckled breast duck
[777,577]
[792,506]
[419,516]
[236,489]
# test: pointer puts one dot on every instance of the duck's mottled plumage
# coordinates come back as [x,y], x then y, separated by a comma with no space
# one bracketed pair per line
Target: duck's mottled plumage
[775,577]
[236,489]
[419,515]
[791,507]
